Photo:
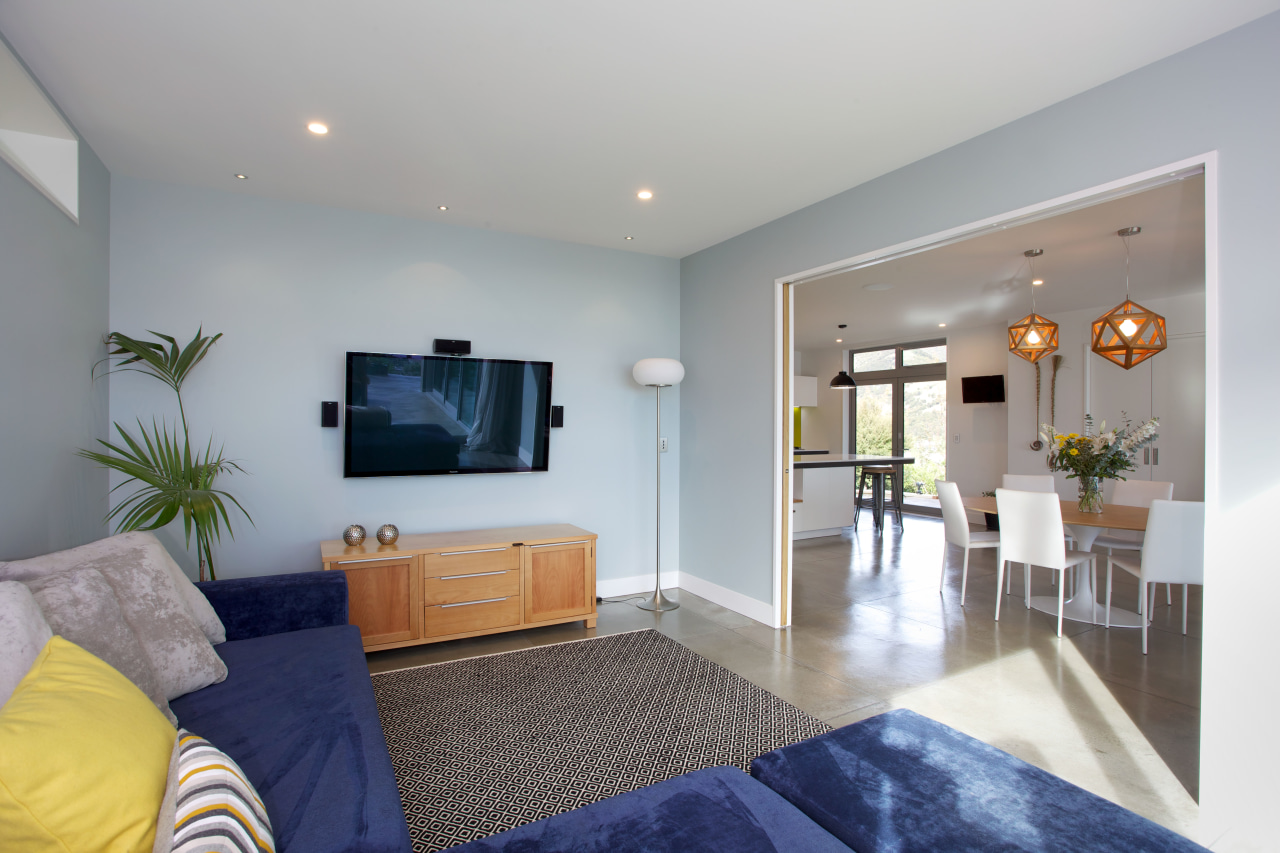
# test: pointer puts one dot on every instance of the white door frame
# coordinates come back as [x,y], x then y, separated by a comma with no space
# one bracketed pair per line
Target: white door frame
[784,331]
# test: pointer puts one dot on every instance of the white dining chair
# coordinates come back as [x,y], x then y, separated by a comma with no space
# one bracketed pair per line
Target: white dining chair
[955,526]
[1027,483]
[1173,552]
[1134,493]
[1031,533]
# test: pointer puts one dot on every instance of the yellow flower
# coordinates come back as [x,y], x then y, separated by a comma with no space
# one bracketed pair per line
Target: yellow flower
[1075,452]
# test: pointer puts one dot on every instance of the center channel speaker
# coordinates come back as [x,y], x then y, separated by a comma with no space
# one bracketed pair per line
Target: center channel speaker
[444,346]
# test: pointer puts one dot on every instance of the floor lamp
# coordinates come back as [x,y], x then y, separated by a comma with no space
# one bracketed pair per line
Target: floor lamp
[658,373]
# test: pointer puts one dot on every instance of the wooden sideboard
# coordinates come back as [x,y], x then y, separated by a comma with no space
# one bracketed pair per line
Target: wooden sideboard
[431,587]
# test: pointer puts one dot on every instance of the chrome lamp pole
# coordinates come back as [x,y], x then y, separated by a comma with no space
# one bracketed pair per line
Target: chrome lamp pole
[658,373]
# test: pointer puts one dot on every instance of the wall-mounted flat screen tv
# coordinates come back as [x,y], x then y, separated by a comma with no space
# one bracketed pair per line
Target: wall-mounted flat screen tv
[982,389]
[427,414]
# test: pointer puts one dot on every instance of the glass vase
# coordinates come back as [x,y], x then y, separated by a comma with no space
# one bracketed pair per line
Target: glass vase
[1090,494]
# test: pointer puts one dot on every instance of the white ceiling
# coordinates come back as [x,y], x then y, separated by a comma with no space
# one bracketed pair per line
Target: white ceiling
[986,280]
[545,118]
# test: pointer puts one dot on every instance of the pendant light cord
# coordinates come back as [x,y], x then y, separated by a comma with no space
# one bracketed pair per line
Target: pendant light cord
[1125,238]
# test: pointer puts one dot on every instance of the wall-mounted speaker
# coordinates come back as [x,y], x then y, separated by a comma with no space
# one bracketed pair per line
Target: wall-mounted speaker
[557,416]
[329,414]
[444,346]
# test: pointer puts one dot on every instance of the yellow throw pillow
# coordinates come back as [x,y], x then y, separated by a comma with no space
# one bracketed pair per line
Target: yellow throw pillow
[84,757]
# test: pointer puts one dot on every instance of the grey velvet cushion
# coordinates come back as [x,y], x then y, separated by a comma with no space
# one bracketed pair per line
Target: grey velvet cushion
[134,565]
[200,608]
[81,607]
[23,633]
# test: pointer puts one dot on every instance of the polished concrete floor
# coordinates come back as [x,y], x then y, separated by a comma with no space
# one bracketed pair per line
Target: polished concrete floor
[871,631]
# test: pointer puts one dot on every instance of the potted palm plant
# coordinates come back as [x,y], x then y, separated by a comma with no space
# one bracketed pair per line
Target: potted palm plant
[170,477]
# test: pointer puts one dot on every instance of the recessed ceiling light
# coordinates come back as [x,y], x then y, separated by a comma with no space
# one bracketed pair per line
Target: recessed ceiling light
[242,177]
[942,325]
[644,194]
[444,207]
[318,128]
[631,238]
[839,340]
[1037,281]
[878,286]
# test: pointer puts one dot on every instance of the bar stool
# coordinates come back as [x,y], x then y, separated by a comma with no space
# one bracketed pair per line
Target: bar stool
[878,475]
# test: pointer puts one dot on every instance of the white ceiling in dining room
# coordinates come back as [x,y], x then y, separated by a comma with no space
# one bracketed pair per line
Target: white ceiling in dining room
[986,280]
[547,118]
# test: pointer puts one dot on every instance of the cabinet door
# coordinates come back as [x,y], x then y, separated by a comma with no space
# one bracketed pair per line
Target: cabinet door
[560,580]
[384,599]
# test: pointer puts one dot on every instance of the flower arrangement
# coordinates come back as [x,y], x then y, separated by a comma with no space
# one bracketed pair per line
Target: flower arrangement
[1096,456]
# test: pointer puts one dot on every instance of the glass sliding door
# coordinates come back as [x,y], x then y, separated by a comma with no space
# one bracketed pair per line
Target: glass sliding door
[899,408]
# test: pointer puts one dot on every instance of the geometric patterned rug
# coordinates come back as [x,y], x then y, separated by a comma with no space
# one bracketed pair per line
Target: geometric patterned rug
[490,743]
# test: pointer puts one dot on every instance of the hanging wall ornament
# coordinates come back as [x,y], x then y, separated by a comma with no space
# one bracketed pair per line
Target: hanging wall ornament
[1129,334]
[1033,337]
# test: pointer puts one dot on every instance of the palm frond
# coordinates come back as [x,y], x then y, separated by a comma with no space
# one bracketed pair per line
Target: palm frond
[170,479]
[170,364]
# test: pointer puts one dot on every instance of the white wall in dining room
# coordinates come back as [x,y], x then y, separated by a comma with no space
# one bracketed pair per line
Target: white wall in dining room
[977,460]
[1109,386]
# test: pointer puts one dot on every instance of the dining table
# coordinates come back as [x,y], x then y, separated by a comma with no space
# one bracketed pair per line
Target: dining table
[1084,528]
[815,459]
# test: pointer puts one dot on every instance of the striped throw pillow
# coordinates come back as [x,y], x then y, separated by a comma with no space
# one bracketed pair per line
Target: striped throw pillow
[218,811]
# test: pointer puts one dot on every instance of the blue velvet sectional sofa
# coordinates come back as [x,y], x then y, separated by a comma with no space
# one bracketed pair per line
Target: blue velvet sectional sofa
[297,713]
[895,783]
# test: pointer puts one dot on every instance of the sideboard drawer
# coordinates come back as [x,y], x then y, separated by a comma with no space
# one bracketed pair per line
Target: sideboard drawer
[470,562]
[463,618]
[453,589]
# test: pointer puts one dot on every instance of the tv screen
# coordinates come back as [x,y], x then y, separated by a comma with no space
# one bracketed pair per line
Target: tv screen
[428,414]
[982,389]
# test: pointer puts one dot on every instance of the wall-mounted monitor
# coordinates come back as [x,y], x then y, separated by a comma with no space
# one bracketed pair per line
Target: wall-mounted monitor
[982,389]
[425,414]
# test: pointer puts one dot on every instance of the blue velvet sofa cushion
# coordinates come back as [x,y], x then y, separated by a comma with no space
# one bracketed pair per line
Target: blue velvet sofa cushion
[297,713]
[716,810]
[901,782]
[274,604]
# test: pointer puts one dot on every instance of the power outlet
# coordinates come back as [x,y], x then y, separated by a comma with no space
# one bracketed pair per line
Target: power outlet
[662,444]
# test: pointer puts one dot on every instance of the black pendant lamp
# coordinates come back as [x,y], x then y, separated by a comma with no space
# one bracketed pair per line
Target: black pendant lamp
[843,381]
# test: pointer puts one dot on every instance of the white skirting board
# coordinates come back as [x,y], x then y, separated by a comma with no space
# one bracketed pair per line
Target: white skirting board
[716,594]
[735,601]
[814,534]
[614,587]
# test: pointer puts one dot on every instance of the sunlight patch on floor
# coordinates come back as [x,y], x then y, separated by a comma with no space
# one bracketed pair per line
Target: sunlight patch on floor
[1047,707]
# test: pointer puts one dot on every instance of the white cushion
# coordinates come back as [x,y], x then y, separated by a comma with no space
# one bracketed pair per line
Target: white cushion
[23,633]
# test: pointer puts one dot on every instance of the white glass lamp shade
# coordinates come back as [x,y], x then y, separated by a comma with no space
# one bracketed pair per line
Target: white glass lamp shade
[658,371]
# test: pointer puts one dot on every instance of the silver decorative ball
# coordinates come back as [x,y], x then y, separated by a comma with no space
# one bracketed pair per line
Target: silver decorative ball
[388,533]
[353,535]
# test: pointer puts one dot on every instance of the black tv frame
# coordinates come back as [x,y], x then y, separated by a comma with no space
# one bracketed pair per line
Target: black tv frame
[982,389]
[545,427]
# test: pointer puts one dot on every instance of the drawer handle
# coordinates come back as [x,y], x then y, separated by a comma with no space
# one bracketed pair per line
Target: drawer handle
[481,551]
[476,575]
[468,603]
[558,544]
[365,560]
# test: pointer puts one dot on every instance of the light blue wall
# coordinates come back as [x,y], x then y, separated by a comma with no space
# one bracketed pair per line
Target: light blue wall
[53,314]
[1223,95]
[293,287]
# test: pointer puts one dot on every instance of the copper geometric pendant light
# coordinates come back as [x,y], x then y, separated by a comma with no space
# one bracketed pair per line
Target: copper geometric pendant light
[1128,334]
[1033,337]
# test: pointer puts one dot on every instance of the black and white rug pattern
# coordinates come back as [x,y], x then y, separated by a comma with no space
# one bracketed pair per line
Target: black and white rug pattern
[490,743]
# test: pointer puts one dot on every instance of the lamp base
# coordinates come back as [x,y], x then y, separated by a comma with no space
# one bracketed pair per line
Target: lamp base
[659,602]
